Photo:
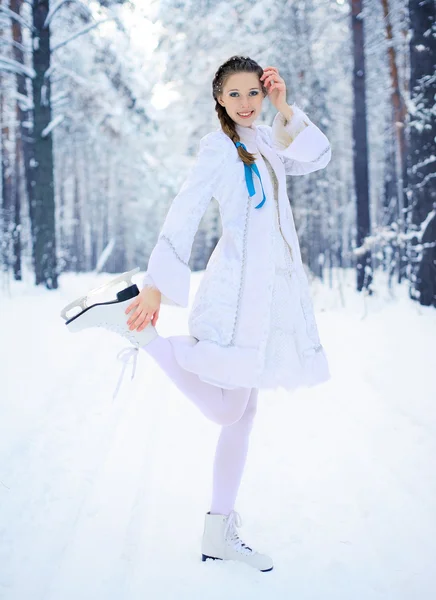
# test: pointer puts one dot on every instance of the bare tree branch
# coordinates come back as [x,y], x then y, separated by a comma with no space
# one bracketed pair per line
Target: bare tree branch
[79,33]
[59,4]
[14,44]
[54,123]
[13,15]
[12,66]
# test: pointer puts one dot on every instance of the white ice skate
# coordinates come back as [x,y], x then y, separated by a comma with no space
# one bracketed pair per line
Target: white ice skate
[91,311]
[221,542]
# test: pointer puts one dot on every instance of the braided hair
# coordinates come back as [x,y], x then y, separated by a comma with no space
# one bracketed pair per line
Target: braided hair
[235,64]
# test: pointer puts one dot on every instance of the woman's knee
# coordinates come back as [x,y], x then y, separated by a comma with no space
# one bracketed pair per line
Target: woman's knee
[228,417]
[245,416]
[236,407]
[250,413]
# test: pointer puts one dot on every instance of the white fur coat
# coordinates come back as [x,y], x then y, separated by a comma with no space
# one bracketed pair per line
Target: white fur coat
[230,315]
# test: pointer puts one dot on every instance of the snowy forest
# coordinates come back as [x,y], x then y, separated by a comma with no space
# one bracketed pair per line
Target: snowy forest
[102,105]
[107,472]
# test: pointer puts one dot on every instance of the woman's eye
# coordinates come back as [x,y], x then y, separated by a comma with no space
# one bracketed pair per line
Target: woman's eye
[255,92]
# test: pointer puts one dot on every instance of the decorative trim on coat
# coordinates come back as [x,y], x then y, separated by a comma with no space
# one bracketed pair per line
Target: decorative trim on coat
[168,263]
[242,276]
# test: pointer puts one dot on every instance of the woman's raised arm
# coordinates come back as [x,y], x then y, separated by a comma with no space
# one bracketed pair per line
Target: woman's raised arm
[300,144]
[168,268]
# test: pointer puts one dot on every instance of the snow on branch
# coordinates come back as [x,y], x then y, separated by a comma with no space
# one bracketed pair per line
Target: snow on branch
[423,163]
[24,102]
[79,33]
[13,15]
[386,235]
[105,255]
[382,235]
[49,71]
[54,9]
[54,123]
[59,98]
[431,215]
[425,180]
[15,44]
[13,66]
[63,71]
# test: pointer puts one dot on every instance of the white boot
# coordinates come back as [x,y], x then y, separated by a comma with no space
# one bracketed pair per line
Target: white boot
[221,541]
[111,315]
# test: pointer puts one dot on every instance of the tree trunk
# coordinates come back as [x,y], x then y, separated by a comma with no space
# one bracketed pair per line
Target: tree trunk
[360,148]
[43,207]
[24,134]
[16,241]
[77,242]
[7,205]
[422,147]
[399,120]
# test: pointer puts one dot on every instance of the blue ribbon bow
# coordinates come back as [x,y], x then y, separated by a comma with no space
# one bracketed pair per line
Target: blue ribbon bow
[249,178]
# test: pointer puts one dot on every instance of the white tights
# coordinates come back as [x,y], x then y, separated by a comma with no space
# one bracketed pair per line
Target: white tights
[233,409]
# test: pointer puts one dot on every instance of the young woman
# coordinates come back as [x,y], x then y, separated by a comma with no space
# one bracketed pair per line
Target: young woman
[251,323]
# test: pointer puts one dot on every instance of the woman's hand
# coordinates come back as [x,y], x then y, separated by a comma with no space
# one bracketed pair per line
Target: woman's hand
[276,90]
[147,308]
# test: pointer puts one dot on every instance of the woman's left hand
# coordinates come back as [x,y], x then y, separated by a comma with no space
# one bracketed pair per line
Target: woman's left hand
[276,90]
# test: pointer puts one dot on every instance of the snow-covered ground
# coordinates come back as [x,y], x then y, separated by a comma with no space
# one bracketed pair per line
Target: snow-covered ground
[105,500]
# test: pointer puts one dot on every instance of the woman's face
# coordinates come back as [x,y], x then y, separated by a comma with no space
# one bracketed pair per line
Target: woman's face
[242,93]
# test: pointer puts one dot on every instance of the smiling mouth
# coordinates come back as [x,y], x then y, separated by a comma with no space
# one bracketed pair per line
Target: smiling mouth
[246,115]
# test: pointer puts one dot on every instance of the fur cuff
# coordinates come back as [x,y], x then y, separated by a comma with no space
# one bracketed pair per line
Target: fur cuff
[284,132]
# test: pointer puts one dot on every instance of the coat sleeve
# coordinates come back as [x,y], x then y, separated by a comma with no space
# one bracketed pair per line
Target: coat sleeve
[300,144]
[168,268]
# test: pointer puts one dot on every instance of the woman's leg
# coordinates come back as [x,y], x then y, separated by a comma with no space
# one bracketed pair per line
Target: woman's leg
[217,404]
[230,459]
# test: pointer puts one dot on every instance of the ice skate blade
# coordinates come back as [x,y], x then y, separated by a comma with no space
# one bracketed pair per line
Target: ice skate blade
[122,296]
[205,557]
[84,302]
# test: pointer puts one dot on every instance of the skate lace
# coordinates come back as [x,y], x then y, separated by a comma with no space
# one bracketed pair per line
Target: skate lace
[124,355]
[231,534]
